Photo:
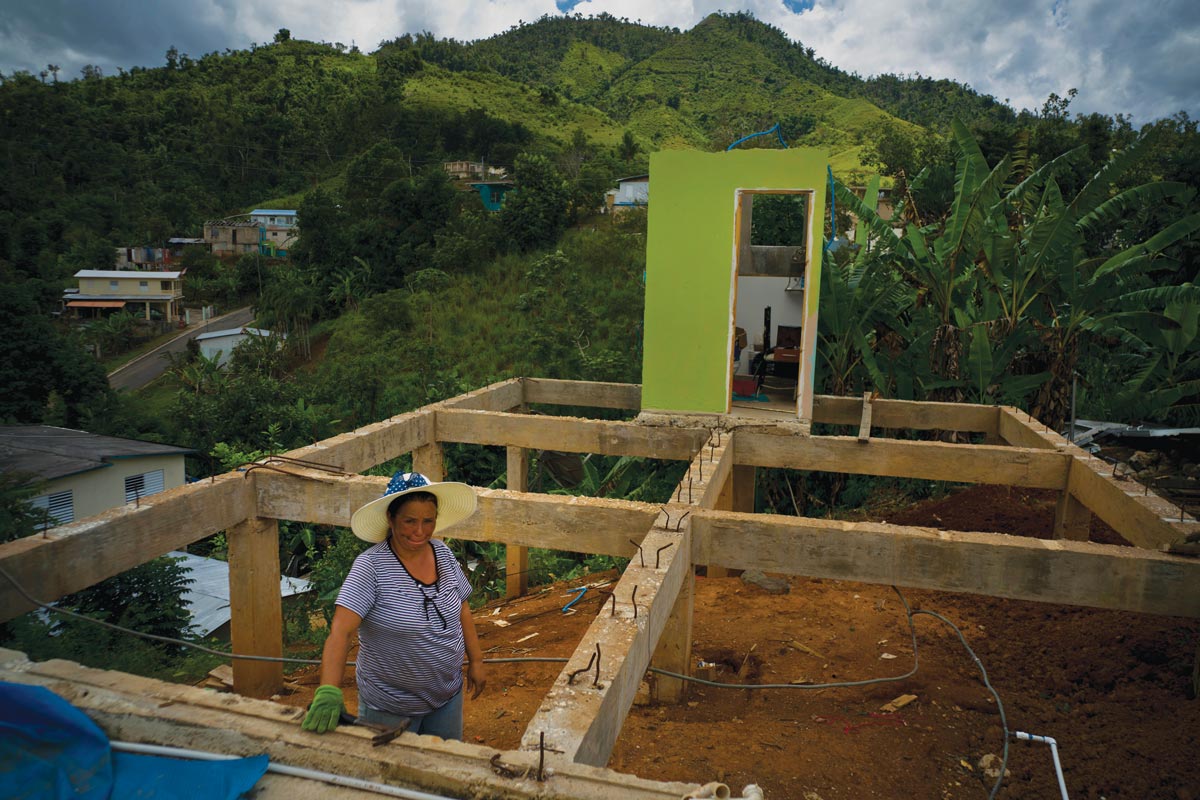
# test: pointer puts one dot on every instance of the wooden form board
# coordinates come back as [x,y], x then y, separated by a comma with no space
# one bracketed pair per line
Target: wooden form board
[568,434]
[135,709]
[254,590]
[908,414]
[1074,573]
[581,719]
[1141,517]
[935,461]
[72,557]
[590,394]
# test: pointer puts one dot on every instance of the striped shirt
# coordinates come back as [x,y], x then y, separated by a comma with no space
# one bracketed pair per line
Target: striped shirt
[410,641]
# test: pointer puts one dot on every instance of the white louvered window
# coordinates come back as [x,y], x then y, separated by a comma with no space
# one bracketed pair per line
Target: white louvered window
[60,506]
[138,486]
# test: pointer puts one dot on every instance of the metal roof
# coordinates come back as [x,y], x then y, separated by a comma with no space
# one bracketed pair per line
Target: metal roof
[208,598]
[275,211]
[49,452]
[127,273]
[232,332]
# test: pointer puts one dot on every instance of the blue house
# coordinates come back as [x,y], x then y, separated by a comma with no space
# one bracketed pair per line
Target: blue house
[276,230]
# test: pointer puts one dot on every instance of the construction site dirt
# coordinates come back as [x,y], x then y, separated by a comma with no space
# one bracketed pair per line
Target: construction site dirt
[1112,688]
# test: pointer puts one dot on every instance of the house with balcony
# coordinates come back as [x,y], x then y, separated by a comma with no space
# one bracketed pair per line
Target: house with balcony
[149,294]
[82,474]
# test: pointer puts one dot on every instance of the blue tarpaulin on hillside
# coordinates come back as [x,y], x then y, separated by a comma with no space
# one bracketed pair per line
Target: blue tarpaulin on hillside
[50,750]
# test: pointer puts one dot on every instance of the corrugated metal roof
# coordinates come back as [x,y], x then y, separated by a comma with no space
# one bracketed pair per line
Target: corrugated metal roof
[275,211]
[49,452]
[127,273]
[232,332]
[208,597]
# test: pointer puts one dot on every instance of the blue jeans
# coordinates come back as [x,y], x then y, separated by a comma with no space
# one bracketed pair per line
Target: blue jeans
[446,722]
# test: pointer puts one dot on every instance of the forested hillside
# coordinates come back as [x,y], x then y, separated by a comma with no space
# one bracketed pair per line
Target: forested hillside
[355,141]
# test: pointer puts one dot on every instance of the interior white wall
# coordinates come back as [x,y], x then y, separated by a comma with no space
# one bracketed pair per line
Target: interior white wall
[755,293]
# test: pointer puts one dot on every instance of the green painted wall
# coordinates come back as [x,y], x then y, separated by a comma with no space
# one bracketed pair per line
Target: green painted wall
[690,265]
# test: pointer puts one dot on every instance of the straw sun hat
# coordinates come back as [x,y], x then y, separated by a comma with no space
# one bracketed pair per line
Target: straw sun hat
[455,502]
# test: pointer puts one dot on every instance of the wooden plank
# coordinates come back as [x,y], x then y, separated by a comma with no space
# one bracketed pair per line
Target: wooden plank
[674,651]
[1072,519]
[136,709]
[1052,571]
[569,434]
[256,623]
[1143,520]
[937,461]
[575,524]
[583,720]
[743,482]
[373,444]
[590,394]
[430,461]
[708,474]
[864,423]
[516,558]
[500,396]
[73,557]
[907,414]
[1021,430]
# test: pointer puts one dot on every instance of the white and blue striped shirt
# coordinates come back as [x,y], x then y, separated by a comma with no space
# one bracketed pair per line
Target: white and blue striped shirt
[410,641]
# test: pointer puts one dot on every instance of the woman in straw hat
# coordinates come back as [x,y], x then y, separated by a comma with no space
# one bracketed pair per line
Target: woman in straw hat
[407,598]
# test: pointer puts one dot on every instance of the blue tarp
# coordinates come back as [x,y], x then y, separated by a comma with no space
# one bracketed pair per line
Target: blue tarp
[50,750]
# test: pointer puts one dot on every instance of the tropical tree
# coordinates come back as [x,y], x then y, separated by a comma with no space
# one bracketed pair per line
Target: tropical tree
[1009,283]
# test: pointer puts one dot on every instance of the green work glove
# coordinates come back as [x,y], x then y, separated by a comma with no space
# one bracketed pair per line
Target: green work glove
[323,713]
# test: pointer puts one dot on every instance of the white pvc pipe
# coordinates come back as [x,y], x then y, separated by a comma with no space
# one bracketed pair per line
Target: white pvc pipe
[1033,737]
[281,769]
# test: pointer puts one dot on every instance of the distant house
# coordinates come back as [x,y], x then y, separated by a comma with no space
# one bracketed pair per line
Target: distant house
[464,170]
[631,192]
[220,344]
[268,231]
[85,473]
[493,192]
[277,230]
[153,295]
[232,236]
[140,257]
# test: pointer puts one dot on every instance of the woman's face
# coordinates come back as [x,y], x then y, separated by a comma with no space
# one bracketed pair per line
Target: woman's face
[413,524]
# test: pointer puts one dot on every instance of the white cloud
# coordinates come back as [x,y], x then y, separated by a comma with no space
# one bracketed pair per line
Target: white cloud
[1142,59]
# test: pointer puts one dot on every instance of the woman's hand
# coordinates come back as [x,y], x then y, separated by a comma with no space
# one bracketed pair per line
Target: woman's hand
[476,678]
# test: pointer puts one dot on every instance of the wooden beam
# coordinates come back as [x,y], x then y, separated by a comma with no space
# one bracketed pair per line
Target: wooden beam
[743,488]
[907,414]
[516,558]
[256,610]
[1021,430]
[575,524]
[373,444]
[430,461]
[937,461]
[583,720]
[590,394]
[1141,518]
[1073,573]
[569,434]
[72,557]
[708,474]
[135,709]
[674,650]
[864,422]
[500,396]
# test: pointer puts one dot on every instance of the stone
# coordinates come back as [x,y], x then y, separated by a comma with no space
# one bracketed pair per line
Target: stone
[989,765]
[766,583]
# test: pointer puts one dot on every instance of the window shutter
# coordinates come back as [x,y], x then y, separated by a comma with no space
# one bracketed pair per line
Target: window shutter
[60,506]
[138,486]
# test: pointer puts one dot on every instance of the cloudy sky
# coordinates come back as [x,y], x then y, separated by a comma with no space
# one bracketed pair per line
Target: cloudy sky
[1138,58]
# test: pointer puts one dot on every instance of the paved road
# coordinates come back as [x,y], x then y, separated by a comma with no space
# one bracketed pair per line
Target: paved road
[148,366]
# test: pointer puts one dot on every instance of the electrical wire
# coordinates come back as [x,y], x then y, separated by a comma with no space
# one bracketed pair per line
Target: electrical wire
[908,611]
